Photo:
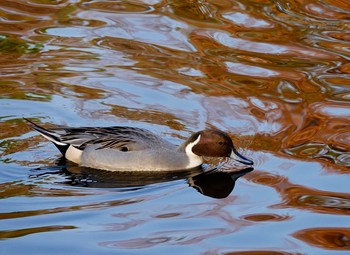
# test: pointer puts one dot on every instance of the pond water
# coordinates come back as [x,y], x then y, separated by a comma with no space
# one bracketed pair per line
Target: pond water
[274,74]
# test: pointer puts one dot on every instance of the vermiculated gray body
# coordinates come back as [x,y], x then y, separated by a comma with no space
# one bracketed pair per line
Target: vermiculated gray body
[160,159]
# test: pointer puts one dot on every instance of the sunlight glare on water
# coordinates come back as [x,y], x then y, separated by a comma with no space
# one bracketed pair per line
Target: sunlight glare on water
[273,74]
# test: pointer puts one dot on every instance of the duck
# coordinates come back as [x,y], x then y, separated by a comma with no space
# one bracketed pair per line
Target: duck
[123,148]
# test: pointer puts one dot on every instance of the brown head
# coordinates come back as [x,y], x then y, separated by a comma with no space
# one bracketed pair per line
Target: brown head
[214,143]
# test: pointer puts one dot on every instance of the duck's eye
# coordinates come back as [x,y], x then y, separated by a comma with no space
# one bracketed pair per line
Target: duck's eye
[124,148]
[221,143]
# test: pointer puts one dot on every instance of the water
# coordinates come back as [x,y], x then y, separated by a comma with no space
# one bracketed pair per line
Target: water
[274,74]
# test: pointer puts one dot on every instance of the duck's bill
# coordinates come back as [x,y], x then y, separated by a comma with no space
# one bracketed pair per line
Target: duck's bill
[240,158]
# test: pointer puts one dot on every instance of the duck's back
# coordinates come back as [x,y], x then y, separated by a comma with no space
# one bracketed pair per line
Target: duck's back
[117,137]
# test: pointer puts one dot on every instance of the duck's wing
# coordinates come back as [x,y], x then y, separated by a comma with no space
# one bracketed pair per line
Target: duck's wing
[118,137]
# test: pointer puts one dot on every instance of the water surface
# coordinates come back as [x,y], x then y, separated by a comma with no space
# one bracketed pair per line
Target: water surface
[274,74]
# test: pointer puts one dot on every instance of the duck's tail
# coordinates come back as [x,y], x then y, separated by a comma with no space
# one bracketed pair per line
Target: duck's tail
[50,135]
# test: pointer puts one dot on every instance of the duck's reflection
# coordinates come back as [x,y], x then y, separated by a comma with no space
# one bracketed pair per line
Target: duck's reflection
[213,183]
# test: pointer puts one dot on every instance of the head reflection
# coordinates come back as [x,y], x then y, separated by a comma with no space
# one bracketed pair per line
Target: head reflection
[215,183]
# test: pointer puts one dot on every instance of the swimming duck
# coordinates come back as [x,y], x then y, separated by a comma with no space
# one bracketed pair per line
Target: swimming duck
[121,148]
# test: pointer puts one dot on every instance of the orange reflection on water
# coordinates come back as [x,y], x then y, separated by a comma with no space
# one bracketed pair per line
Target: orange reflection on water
[274,74]
[302,197]
[326,238]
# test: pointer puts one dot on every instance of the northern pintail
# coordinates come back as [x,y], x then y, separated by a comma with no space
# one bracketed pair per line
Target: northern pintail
[121,148]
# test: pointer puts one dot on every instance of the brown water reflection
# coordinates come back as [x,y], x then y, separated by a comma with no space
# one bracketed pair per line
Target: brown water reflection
[274,74]
[297,196]
[327,238]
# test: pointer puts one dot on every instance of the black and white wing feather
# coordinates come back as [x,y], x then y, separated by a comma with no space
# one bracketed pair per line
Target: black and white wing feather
[118,137]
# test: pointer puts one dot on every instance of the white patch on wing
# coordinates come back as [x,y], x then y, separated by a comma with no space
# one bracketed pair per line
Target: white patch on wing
[194,159]
[73,154]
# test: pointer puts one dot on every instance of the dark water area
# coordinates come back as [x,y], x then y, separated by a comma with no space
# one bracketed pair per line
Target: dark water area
[274,74]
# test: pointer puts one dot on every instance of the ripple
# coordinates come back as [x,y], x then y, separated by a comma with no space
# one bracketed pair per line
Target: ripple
[343,159]
[346,67]
[322,11]
[289,92]
[331,110]
[247,21]
[256,71]
[301,14]
[341,139]
[326,201]
[29,231]
[333,152]
[118,6]
[82,69]
[136,243]
[83,22]
[176,237]
[201,11]
[151,29]
[334,84]
[258,252]
[326,238]
[267,179]
[19,46]
[265,217]
[266,48]
[308,150]
[29,10]
[65,31]
[341,36]
[122,45]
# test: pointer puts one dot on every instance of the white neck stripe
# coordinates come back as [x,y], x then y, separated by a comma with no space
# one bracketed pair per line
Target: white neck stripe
[194,160]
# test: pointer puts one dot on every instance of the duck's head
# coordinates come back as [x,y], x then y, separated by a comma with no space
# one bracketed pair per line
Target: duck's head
[214,143]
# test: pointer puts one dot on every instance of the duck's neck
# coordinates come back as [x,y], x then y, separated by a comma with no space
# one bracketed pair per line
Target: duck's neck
[193,159]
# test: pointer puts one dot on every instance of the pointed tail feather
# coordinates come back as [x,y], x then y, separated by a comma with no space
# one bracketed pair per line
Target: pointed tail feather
[50,135]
